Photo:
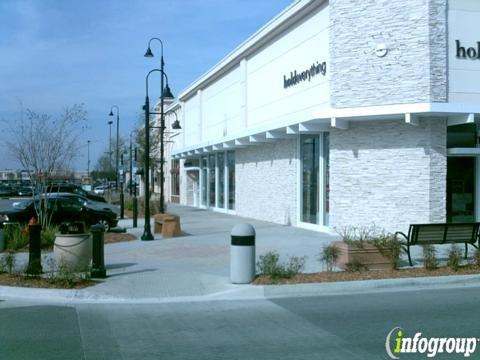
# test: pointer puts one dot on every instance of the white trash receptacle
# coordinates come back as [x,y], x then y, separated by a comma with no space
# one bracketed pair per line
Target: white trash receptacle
[242,254]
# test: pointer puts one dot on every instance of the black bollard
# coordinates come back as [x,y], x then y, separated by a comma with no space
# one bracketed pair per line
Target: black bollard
[135,211]
[34,250]
[98,255]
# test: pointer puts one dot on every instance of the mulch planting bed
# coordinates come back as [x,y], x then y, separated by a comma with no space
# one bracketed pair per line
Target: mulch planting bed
[39,282]
[323,277]
[111,237]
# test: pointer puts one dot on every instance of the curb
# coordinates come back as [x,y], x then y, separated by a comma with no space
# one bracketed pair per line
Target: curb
[251,292]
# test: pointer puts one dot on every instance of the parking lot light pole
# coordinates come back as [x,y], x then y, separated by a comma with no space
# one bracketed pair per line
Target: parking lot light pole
[88,158]
[122,199]
[135,204]
[110,122]
[131,167]
[147,231]
[117,157]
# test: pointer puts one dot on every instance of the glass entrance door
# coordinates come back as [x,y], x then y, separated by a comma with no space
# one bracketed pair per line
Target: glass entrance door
[460,189]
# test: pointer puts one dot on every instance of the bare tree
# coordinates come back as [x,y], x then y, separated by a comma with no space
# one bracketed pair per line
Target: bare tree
[45,147]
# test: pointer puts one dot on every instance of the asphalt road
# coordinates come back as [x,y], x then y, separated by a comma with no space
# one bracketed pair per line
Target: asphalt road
[328,327]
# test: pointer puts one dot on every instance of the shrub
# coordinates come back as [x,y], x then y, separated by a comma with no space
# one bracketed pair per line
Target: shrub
[16,237]
[48,236]
[7,262]
[64,275]
[429,257]
[454,257]
[295,265]
[269,265]
[329,256]
[476,257]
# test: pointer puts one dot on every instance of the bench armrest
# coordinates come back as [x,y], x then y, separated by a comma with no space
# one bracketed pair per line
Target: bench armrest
[401,233]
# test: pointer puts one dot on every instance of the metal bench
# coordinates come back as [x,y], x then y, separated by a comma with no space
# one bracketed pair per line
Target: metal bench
[438,234]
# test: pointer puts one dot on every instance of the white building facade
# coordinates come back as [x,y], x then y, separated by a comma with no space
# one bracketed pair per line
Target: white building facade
[340,113]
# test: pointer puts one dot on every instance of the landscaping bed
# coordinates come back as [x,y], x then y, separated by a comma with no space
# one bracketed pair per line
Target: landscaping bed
[41,282]
[324,277]
[111,237]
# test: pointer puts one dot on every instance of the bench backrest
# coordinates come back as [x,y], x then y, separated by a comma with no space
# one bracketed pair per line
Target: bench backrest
[424,234]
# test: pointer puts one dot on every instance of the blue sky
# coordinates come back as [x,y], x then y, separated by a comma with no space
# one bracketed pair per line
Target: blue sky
[55,53]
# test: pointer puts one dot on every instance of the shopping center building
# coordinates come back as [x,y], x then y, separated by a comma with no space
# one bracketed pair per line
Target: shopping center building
[339,113]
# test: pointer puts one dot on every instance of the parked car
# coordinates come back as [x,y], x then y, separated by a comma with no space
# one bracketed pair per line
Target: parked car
[101,189]
[91,203]
[25,191]
[7,191]
[75,189]
[61,209]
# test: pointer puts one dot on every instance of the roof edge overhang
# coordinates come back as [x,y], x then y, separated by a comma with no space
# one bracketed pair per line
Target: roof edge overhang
[325,120]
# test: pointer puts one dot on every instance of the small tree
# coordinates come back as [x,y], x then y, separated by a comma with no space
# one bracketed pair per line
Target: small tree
[45,147]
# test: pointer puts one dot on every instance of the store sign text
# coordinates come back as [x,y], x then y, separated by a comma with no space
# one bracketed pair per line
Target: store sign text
[470,53]
[296,78]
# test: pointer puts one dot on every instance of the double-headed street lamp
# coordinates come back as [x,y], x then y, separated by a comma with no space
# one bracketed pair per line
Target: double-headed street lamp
[165,94]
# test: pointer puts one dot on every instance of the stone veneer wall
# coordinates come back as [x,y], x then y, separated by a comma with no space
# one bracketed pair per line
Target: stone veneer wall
[415,67]
[388,173]
[266,181]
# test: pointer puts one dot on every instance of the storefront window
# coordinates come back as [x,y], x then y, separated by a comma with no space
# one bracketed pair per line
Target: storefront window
[231,179]
[175,177]
[221,180]
[461,136]
[203,180]
[460,189]
[211,180]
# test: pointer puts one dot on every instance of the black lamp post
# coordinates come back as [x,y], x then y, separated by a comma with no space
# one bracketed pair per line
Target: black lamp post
[166,93]
[135,204]
[110,122]
[88,158]
[130,167]
[117,158]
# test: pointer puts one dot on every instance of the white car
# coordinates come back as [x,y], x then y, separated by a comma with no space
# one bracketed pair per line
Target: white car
[100,190]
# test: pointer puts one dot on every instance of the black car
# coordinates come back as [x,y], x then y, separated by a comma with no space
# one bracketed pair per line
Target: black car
[60,209]
[7,191]
[75,189]
[24,191]
[90,203]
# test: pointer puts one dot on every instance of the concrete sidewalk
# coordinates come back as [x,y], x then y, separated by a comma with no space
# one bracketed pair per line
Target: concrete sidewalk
[196,265]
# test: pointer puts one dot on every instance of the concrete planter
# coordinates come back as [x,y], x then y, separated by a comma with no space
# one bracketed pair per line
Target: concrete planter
[73,251]
[372,257]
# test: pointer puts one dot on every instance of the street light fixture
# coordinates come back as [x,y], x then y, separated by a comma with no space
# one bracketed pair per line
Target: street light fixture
[166,94]
[110,122]
[117,158]
[88,158]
